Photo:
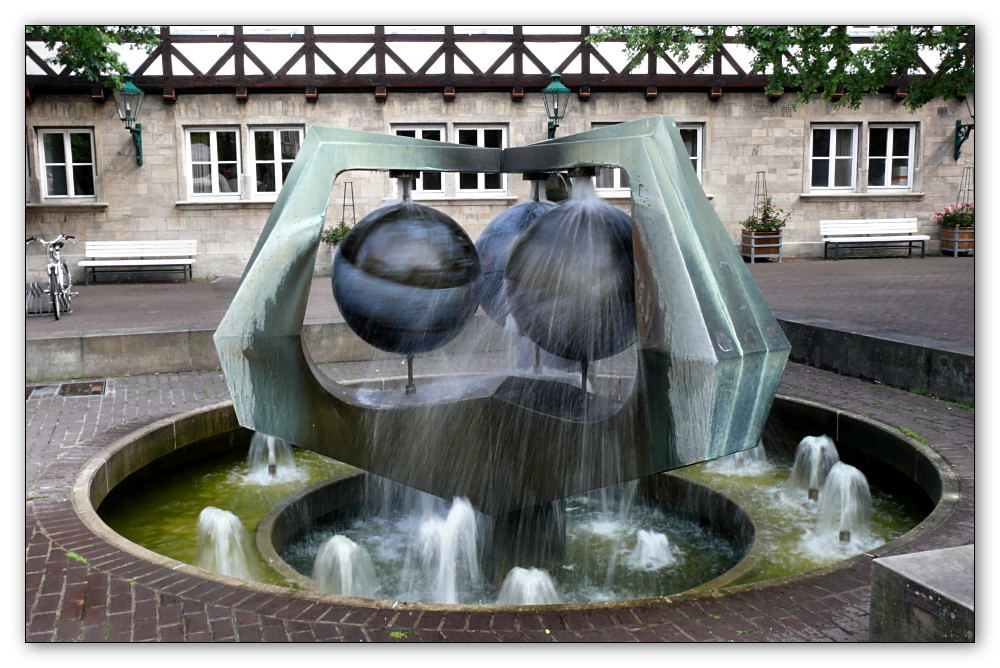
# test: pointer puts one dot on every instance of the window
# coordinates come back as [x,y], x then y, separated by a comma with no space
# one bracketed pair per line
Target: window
[215,161]
[427,182]
[834,155]
[487,137]
[613,178]
[67,158]
[274,151]
[890,156]
[610,178]
[691,136]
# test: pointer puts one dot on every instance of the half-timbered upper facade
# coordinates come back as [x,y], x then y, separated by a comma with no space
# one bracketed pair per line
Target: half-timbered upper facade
[227,107]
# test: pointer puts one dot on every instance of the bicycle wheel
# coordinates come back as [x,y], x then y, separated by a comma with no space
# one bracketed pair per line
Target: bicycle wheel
[65,286]
[54,291]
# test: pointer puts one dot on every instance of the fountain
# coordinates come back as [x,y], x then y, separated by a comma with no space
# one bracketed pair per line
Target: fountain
[528,586]
[652,552]
[344,567]
[745,463]
[223,544]
[583,282]
[814,458]
[270,459]
[845,504]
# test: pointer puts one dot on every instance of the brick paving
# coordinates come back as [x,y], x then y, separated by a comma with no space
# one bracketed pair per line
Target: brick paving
[78,587]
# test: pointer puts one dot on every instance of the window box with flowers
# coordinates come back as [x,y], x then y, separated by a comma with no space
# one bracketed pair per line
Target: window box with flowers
[761,234]
[958,228]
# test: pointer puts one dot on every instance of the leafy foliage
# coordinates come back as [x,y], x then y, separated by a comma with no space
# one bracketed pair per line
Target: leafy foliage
[86,50]
[823,60]
[335,234]
[957,215]
[767,218]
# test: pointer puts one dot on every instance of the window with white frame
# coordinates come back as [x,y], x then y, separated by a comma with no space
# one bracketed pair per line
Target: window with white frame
[609,178]
[489,136]
[833,156]
[692,135]
[427,182]
[890,156]
[274,151]
[67,160]
[214,161]
[614,178]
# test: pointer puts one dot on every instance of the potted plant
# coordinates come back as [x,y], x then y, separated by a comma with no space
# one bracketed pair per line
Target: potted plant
[762,231]
[958,228]
[333,236]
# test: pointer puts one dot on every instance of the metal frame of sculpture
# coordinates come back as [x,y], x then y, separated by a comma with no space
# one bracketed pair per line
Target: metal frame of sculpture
[710,353]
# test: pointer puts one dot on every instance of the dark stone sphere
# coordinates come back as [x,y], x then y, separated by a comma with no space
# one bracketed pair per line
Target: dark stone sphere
[570,281]
[406,278]
[494,246]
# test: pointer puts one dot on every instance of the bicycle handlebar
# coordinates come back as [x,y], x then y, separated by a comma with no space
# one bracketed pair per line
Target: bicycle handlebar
[67,237]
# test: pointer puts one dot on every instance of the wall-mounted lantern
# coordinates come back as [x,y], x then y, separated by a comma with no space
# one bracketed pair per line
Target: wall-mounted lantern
[128,99]
[556,97]
[962,131]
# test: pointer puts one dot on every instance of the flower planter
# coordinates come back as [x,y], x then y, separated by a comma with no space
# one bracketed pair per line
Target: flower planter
[958,240]
[761,245]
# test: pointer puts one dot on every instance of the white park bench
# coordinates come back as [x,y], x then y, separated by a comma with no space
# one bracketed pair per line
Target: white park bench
[871,233]
[105,257]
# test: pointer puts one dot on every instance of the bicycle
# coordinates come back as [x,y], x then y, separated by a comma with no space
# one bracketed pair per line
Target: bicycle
[60,283]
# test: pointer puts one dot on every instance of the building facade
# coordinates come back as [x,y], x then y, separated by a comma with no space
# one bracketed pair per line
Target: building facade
[225,113]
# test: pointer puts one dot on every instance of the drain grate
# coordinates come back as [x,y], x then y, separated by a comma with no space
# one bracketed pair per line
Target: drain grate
[85,389]
[40,391]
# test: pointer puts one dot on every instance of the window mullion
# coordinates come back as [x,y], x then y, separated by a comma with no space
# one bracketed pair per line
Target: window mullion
[68,165]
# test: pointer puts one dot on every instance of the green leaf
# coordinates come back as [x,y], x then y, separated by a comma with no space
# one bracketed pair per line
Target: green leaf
[74,555]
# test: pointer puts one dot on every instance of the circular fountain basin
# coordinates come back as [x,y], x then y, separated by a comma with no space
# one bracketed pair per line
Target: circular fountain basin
[706,519]
[886,456]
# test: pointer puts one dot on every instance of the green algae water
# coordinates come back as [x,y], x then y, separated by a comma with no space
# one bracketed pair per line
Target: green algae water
[786,520]
[604,558]
[163,516]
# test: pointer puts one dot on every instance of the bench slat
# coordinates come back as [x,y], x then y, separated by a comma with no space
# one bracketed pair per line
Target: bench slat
[833,228]
[908,237]
[135,263]
[126,249]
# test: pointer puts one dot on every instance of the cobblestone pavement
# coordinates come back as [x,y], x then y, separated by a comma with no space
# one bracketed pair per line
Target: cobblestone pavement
[79,587]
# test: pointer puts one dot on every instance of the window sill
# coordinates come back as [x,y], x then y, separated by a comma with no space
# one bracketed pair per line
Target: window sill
[868,197]
[225,204]
[460,199]
[66,206]
[626,195]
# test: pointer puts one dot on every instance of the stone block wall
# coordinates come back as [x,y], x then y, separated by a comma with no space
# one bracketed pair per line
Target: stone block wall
[743,133]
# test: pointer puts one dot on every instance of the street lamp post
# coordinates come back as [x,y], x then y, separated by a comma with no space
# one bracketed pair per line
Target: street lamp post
[128,99]
[556,97]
